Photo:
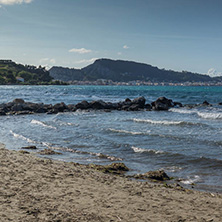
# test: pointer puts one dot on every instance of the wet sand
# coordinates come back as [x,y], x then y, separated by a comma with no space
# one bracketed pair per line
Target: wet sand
[37,189]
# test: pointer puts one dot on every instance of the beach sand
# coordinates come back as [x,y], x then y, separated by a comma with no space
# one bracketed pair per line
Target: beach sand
[37,189]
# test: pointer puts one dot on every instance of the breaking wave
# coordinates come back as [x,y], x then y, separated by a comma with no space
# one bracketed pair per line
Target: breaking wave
[128,132]
[141,150]
[37,122]
[183,111]
[191,180]
[163,122]
[206,115]
[22,137]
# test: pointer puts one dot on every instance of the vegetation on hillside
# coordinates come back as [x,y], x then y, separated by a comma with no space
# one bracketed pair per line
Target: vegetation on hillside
[12,73]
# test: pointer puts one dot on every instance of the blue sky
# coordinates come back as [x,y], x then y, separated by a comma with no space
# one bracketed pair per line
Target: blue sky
[170,34]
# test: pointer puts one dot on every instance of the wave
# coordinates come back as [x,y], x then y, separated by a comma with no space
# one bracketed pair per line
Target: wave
[191,180]
[128,132]
[37,122]
[183,111]
[66,149]
[210,115]
[163,122]
[62,123]
[141,150]
[22,137]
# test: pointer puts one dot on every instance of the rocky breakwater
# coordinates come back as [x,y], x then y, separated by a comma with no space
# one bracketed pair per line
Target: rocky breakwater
[20,107]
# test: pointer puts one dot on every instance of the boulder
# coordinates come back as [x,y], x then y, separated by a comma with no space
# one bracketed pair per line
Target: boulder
[60,107]
[17,107]
[205,103]
[162,103]
[148,107]
[139,101]
[99,104]
[2,112]
[29,148]
[114,168]
[21,101]
[154,175]
[134,107]
[48,152]
[82,105]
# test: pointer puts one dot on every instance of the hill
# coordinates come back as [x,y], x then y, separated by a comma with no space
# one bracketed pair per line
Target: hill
[125,71]
[12,73]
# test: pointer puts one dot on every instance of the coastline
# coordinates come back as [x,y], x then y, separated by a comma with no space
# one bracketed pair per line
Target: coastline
[37,189]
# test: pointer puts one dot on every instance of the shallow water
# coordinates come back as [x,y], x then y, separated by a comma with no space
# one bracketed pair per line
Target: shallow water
[186,143]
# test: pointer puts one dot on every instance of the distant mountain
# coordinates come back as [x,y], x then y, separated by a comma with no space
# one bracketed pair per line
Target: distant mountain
[125,71]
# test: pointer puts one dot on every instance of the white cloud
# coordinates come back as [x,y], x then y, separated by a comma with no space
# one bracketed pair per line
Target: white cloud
[47,62]
[213,72]
[126,47]
[119,53]
[80,51]
[12,2]
[86,61]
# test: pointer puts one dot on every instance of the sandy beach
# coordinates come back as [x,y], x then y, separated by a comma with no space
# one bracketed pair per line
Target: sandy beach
[37,189]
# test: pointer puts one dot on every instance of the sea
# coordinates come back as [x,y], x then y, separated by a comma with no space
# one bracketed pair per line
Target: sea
[184,142]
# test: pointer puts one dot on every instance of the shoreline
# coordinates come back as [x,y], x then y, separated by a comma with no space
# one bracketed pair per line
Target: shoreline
[38,189]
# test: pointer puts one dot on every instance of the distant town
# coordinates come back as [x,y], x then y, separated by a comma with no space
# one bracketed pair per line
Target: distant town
[102,72]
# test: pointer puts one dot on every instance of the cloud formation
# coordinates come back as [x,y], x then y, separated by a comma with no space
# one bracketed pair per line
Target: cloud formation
[47,62]
[13,2]
[213,72]
[126,47]
[80,51]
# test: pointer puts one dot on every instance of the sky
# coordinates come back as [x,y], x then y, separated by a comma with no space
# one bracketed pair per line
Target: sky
[172,34]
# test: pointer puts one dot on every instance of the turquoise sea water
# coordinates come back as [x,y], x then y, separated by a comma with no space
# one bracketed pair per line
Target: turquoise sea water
[186,143]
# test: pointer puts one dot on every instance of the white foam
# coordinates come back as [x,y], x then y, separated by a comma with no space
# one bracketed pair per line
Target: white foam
[127,132]
[162,122]
[209,115]
[191,180]
[37,122]
[141,150]
[22,137]
[183,111]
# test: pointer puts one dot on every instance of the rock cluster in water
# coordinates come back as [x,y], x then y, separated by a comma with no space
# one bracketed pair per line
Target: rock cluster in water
[20,107]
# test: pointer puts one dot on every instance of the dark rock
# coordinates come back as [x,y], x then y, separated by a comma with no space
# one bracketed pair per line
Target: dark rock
[72,107]
[134,107]
[178,104]
[24,112]
[125,107]
[154,175]
[99,104]
[21,101]
[114,168]
[24,152]
[162,103]
[205,103]
[52,111]
[139,101]
[60,107]
[41,110]
[82,105]
[17,107]
[2,112]
[29,148]
[127,100]
[148,107]
[48,152]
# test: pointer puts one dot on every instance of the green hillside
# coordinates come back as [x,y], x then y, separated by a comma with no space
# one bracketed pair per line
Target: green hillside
[12,73]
